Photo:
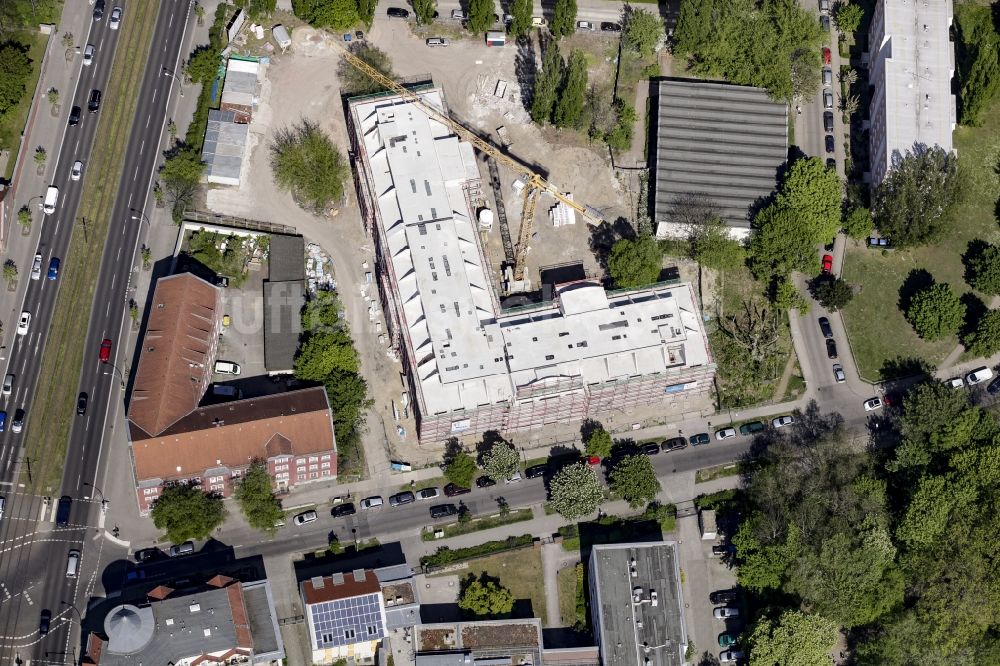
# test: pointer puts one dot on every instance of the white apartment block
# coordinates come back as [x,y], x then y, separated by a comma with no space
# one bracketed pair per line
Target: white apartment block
[911,66]
[470,366]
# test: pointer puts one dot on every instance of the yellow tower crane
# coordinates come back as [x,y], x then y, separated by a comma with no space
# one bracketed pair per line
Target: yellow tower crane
[534,184]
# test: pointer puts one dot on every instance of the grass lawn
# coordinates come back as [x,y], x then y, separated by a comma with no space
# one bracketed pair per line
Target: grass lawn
[879,334]
[520,571]
[566,579]
[12,123]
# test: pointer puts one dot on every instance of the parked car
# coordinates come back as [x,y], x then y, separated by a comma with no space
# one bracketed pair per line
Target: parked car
[397,12]
[751,428]
[783,421]
[828,121]
[872,404]
[451,490]
[722,549]
[829,144]
[485,482]
[371,503]
[405,497]
[725,612]
[826,55]
[458,14]
[342,510]
[731,656]
[824,23]
[650,449]
[955,383]
[978,376]
[728,639]
[536,471]
[674,444]
[428,493]
[838,373]
[831,348]
[538,22]
[436,41]
[723,596]
[992,389]
[227,368]
[81,403]
[831,163]
[585,25]
[725,433]
[305,517]
[827,99]
[824,325]
[827,262]
[185,548]
[593,460]
[610,27]
[879,243]
[827,77]
[517,478]
[147,554]
[700,438]
[824,6]
[443,510]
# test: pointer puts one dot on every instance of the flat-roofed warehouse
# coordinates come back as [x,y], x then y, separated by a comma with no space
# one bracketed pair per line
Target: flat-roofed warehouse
[469,365]
[717,145]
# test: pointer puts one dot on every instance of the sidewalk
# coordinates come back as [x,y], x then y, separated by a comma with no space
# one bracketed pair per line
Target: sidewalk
[44,130]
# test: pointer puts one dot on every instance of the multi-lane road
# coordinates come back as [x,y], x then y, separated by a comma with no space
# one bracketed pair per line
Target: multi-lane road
[33,565]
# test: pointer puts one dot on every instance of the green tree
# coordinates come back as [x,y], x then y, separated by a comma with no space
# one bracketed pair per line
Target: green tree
[858,223]
[24,217]
[355,82]
[599,443]
[186,512]
[977,44]
[181,176]
[15,69]
[256,9]
[912,203]
[306,163]
[203,65]
[9,271]
[424,10]
[520,12]
[366,11]
[569,106]
[336,14]
[834,294]
[501,462]
[563,19]
[787,296]
[936,312]
[713,247]
[485,596]
[575,492]
[634,263]
[480,16]
[634,480]
[323,353]
[814,193]
[547,84]
[847,16]
[984,270]
[256,498]
[793,638]
[461,470]
[779,245]
[985,340]
[620,135]
[641,31]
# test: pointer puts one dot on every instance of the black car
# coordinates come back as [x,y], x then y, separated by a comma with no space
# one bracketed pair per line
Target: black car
[147,554]
[95,101]
[824,23]
[824,325]
[831,348]
[343,510]
[700,438]
[451,490]
[651,449]
[44,621]
[74,116]
[994,387]
[62,513]
[828,121]
[405,497]
[443,510]
[535,471]
[723,597]
[831,163]
[723,549]
[611,27]
[675,444]
[397,12]
[485,482]
[81,403]
[829,143]
[99,10]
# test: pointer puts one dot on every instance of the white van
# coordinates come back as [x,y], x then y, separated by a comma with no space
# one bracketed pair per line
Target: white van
[227,368]
[73,564]
[51,199]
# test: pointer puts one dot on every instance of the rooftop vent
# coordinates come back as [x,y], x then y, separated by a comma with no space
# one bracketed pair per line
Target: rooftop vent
[337,578]
[359,575]
[317,582]
[195,607]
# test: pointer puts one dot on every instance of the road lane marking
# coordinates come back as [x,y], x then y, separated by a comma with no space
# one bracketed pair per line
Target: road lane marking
[171,22]
[142,146]
[148,118]
[154,93]
[129,200]
[77,146]
[136,174]
[114,278]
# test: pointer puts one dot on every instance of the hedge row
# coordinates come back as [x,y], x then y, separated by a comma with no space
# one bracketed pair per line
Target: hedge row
[446,555]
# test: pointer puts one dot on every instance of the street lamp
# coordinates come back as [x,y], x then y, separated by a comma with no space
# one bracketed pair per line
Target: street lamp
[180,85]
[120,374]
[104,502]
[75,610]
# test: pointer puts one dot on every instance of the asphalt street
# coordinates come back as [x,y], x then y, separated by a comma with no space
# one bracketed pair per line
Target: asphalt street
[37,567]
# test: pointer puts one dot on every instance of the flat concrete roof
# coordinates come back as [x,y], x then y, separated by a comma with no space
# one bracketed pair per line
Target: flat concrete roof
[620,603]
[716,142]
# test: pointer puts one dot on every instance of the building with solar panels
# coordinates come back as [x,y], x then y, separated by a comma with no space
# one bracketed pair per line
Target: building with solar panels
[346,616]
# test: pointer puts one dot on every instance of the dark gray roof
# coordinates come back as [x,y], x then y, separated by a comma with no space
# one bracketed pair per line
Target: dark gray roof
[225,144]
[286,258]
[715,142]
[283,303]
[263,625]
[617,617]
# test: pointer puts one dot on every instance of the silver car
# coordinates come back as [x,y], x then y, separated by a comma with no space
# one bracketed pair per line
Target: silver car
[725,433]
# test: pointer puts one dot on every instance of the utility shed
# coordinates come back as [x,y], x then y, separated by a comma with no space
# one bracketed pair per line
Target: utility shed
[716,146]
[708,529]
[284,296]
[225,145]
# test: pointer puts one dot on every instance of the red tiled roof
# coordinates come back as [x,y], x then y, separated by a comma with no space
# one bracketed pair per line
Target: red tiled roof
[95,647]
[244,638]
[349,588]
[160,592]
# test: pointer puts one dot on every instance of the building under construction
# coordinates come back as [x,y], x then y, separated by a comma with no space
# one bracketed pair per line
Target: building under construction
[470,366]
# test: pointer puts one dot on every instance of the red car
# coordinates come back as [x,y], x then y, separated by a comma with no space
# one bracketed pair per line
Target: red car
[826,56]
[593,460]
[106,350]
[827,264]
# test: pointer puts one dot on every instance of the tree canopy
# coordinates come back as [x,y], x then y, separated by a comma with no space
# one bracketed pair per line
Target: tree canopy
[547,84]
[306,163]
[186,512]
[936,312]
[15,69]
[641,30]
[634,263]
[598,443]
[563,18]
[634,480]
[847,16]
[355,82]
[792,639]
[911,204]
[569,105]
[713,247]
[984,340]
[336,14]
[256,498]
[977,55]
[984,270]
[501,462]
[424,11]
[834,294]
[520,13]
[181,175]
[575,492]
[203,64]
[480,15]
[858,223]
[484,596]
[461,470]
